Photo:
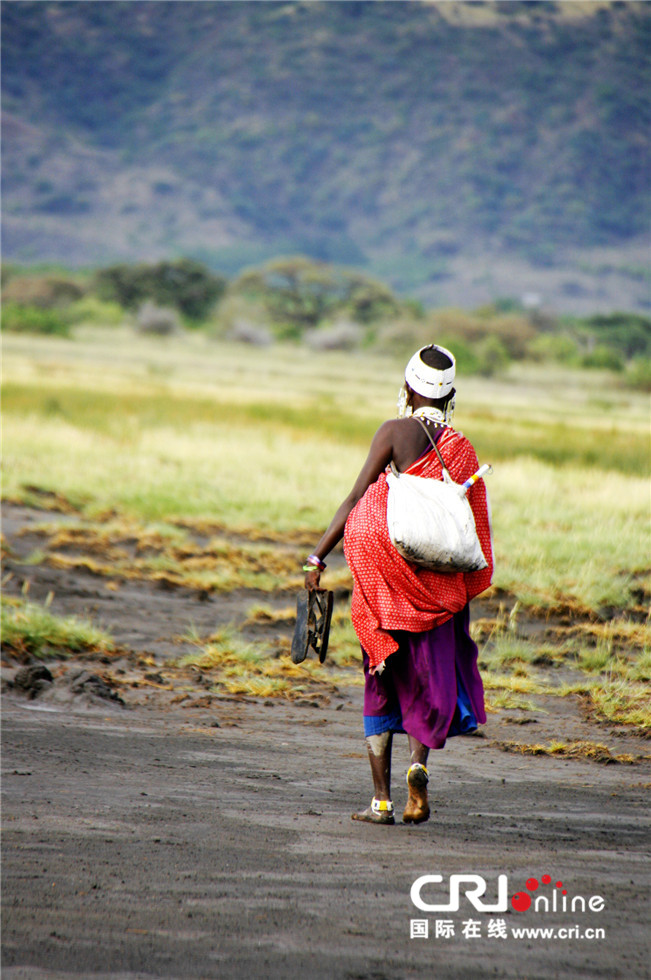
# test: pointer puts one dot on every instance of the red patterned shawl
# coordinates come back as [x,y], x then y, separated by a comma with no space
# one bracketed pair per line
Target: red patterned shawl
[390,593]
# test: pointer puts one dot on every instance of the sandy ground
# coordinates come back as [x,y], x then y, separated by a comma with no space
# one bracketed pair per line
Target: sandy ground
[211,837]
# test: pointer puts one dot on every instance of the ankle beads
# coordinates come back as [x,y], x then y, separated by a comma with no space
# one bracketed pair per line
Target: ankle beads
[381,806]
[418,767]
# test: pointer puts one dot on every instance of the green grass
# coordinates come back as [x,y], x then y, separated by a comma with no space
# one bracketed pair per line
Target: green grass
[609,663]
[622,701]
[32,630]
[577,537]
[188,430]
[217,467]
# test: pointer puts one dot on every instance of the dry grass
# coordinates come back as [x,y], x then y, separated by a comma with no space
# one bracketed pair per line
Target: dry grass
[592,751]
[235,667]
[499,700]
[621,702]
[123,550]
[515,684]
[264,615]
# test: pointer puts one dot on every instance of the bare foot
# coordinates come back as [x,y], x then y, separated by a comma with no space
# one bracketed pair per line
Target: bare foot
[369,815]
[417,808]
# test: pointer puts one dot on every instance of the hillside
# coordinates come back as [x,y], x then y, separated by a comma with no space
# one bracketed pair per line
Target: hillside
[457,150]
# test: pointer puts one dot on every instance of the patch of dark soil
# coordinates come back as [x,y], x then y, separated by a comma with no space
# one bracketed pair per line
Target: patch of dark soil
[93,686]
[31,681]
[65,683]
[521,721]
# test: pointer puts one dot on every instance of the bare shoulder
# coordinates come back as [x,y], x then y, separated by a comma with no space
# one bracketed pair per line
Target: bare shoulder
[396,426]
[388,430]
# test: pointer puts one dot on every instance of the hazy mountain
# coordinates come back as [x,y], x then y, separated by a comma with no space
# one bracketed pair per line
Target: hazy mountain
[459,150]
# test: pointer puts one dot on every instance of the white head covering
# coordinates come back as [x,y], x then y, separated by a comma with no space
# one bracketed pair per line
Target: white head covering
[428,381]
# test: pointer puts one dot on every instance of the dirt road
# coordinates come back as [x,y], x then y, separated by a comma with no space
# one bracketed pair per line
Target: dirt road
[157,840]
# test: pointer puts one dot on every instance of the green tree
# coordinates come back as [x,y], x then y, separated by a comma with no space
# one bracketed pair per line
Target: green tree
[299,293]
[628,333]
[184,284]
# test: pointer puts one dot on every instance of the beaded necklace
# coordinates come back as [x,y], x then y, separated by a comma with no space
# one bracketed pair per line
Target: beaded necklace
[430,413]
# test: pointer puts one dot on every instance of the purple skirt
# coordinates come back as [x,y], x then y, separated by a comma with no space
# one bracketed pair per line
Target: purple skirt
[430,687]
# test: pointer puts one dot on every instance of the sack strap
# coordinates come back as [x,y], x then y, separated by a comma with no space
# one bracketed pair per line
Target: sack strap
[436,448]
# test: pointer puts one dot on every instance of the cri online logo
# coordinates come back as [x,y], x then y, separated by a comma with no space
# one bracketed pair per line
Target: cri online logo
[522,901]
[473,887]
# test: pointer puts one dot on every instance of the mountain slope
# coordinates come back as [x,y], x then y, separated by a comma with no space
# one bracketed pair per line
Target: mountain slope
[395,134]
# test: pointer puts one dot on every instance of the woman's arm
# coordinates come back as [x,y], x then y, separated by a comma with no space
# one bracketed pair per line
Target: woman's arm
[379,457]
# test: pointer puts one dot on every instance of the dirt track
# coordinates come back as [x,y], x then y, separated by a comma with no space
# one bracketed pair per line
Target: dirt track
[155,840]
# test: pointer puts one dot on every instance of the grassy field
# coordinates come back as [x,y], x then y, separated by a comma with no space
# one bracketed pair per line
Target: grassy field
[272,440]
[156,441]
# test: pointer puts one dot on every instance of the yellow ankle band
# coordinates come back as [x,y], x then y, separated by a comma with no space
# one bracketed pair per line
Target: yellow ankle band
[382,806]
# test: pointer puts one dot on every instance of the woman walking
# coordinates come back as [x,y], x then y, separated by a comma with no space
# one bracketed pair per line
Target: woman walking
[420,663]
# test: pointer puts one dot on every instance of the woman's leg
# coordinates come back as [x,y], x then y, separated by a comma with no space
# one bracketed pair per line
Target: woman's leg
[417,808]
[379,755]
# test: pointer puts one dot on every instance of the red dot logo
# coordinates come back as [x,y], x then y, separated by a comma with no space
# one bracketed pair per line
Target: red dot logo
[546,879]
[532,884]
[521,901]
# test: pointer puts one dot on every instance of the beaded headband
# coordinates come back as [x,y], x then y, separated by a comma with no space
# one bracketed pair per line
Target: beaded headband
[428,381]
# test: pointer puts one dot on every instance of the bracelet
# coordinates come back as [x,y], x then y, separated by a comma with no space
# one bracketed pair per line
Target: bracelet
[315,562]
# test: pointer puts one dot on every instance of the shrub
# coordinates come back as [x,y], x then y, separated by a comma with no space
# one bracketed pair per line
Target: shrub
[467,358]
[639,374]
[7,272]
[548,347]
[603,357]
[47,292]
[245,332]
[34,319]
[629,333]
[90,309]
[493,356]
[235,310]
[401,338]
[343,335]
[157,320]
[514,331]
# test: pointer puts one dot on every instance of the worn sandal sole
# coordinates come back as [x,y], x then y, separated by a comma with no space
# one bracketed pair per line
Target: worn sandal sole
[313,615]
[301,639]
